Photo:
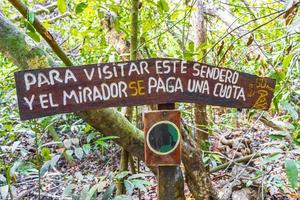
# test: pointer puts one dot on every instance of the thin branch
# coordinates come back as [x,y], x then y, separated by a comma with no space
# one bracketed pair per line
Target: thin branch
[166,30]
[54,19]
[231,163]
[237,28]
[22,8]
[47,9]
[241,36]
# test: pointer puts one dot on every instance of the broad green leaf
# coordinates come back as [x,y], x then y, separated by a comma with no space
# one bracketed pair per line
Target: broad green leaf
[91,192]
[90,137]
[290,109]
[70,152]
[67,191]
[291,171]
[79,153]
[45,167]
[122,197]
[122,174]
[108,192]
[84,192]
[135,176]
[286,61]
[4,191]
[163,6]
[80,7]
[140,184]
[86,148]
[34,36]
[129,186]
[278,134]
[62,6]
[271,158]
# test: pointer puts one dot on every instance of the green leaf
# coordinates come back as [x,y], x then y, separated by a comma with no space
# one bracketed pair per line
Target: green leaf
[14,168]
[122,197]
[90,137]
[44,169]
[86,148]
[91,192]
[122,175]
[70,152]
[67,191]
[34,36]
[135,176]
[84,192]
[79,153]
[163,6]
[30,16]
[101,141]
[80,7]
[108,138]
[270,159]
[46,153]
[140,184]
[291,171]
[129,186]
[4,191]
[286,60]
[278,134]
[290,109]
[62,6]
[108,192]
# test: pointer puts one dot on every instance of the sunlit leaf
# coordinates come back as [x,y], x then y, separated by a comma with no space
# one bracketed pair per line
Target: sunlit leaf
[291,171]
[62,6]
[80,7]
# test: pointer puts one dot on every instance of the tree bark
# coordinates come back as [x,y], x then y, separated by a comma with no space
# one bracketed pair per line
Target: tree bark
[199,28]
[108,121]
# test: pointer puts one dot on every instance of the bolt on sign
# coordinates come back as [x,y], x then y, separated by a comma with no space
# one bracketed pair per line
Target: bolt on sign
[43,92]
[162,138]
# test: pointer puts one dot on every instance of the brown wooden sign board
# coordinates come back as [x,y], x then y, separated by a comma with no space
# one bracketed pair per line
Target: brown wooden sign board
[162,138]
[43,92]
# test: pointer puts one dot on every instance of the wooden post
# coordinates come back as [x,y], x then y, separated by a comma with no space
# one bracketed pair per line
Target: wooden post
[166,174]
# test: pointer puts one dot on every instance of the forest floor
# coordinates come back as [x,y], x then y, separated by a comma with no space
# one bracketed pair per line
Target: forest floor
[260,175]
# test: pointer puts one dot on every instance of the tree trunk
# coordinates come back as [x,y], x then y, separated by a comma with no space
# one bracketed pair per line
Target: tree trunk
[108,121]
[200,115]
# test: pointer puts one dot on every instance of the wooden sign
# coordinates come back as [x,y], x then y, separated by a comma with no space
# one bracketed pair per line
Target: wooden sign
[162,138]
[43,92]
